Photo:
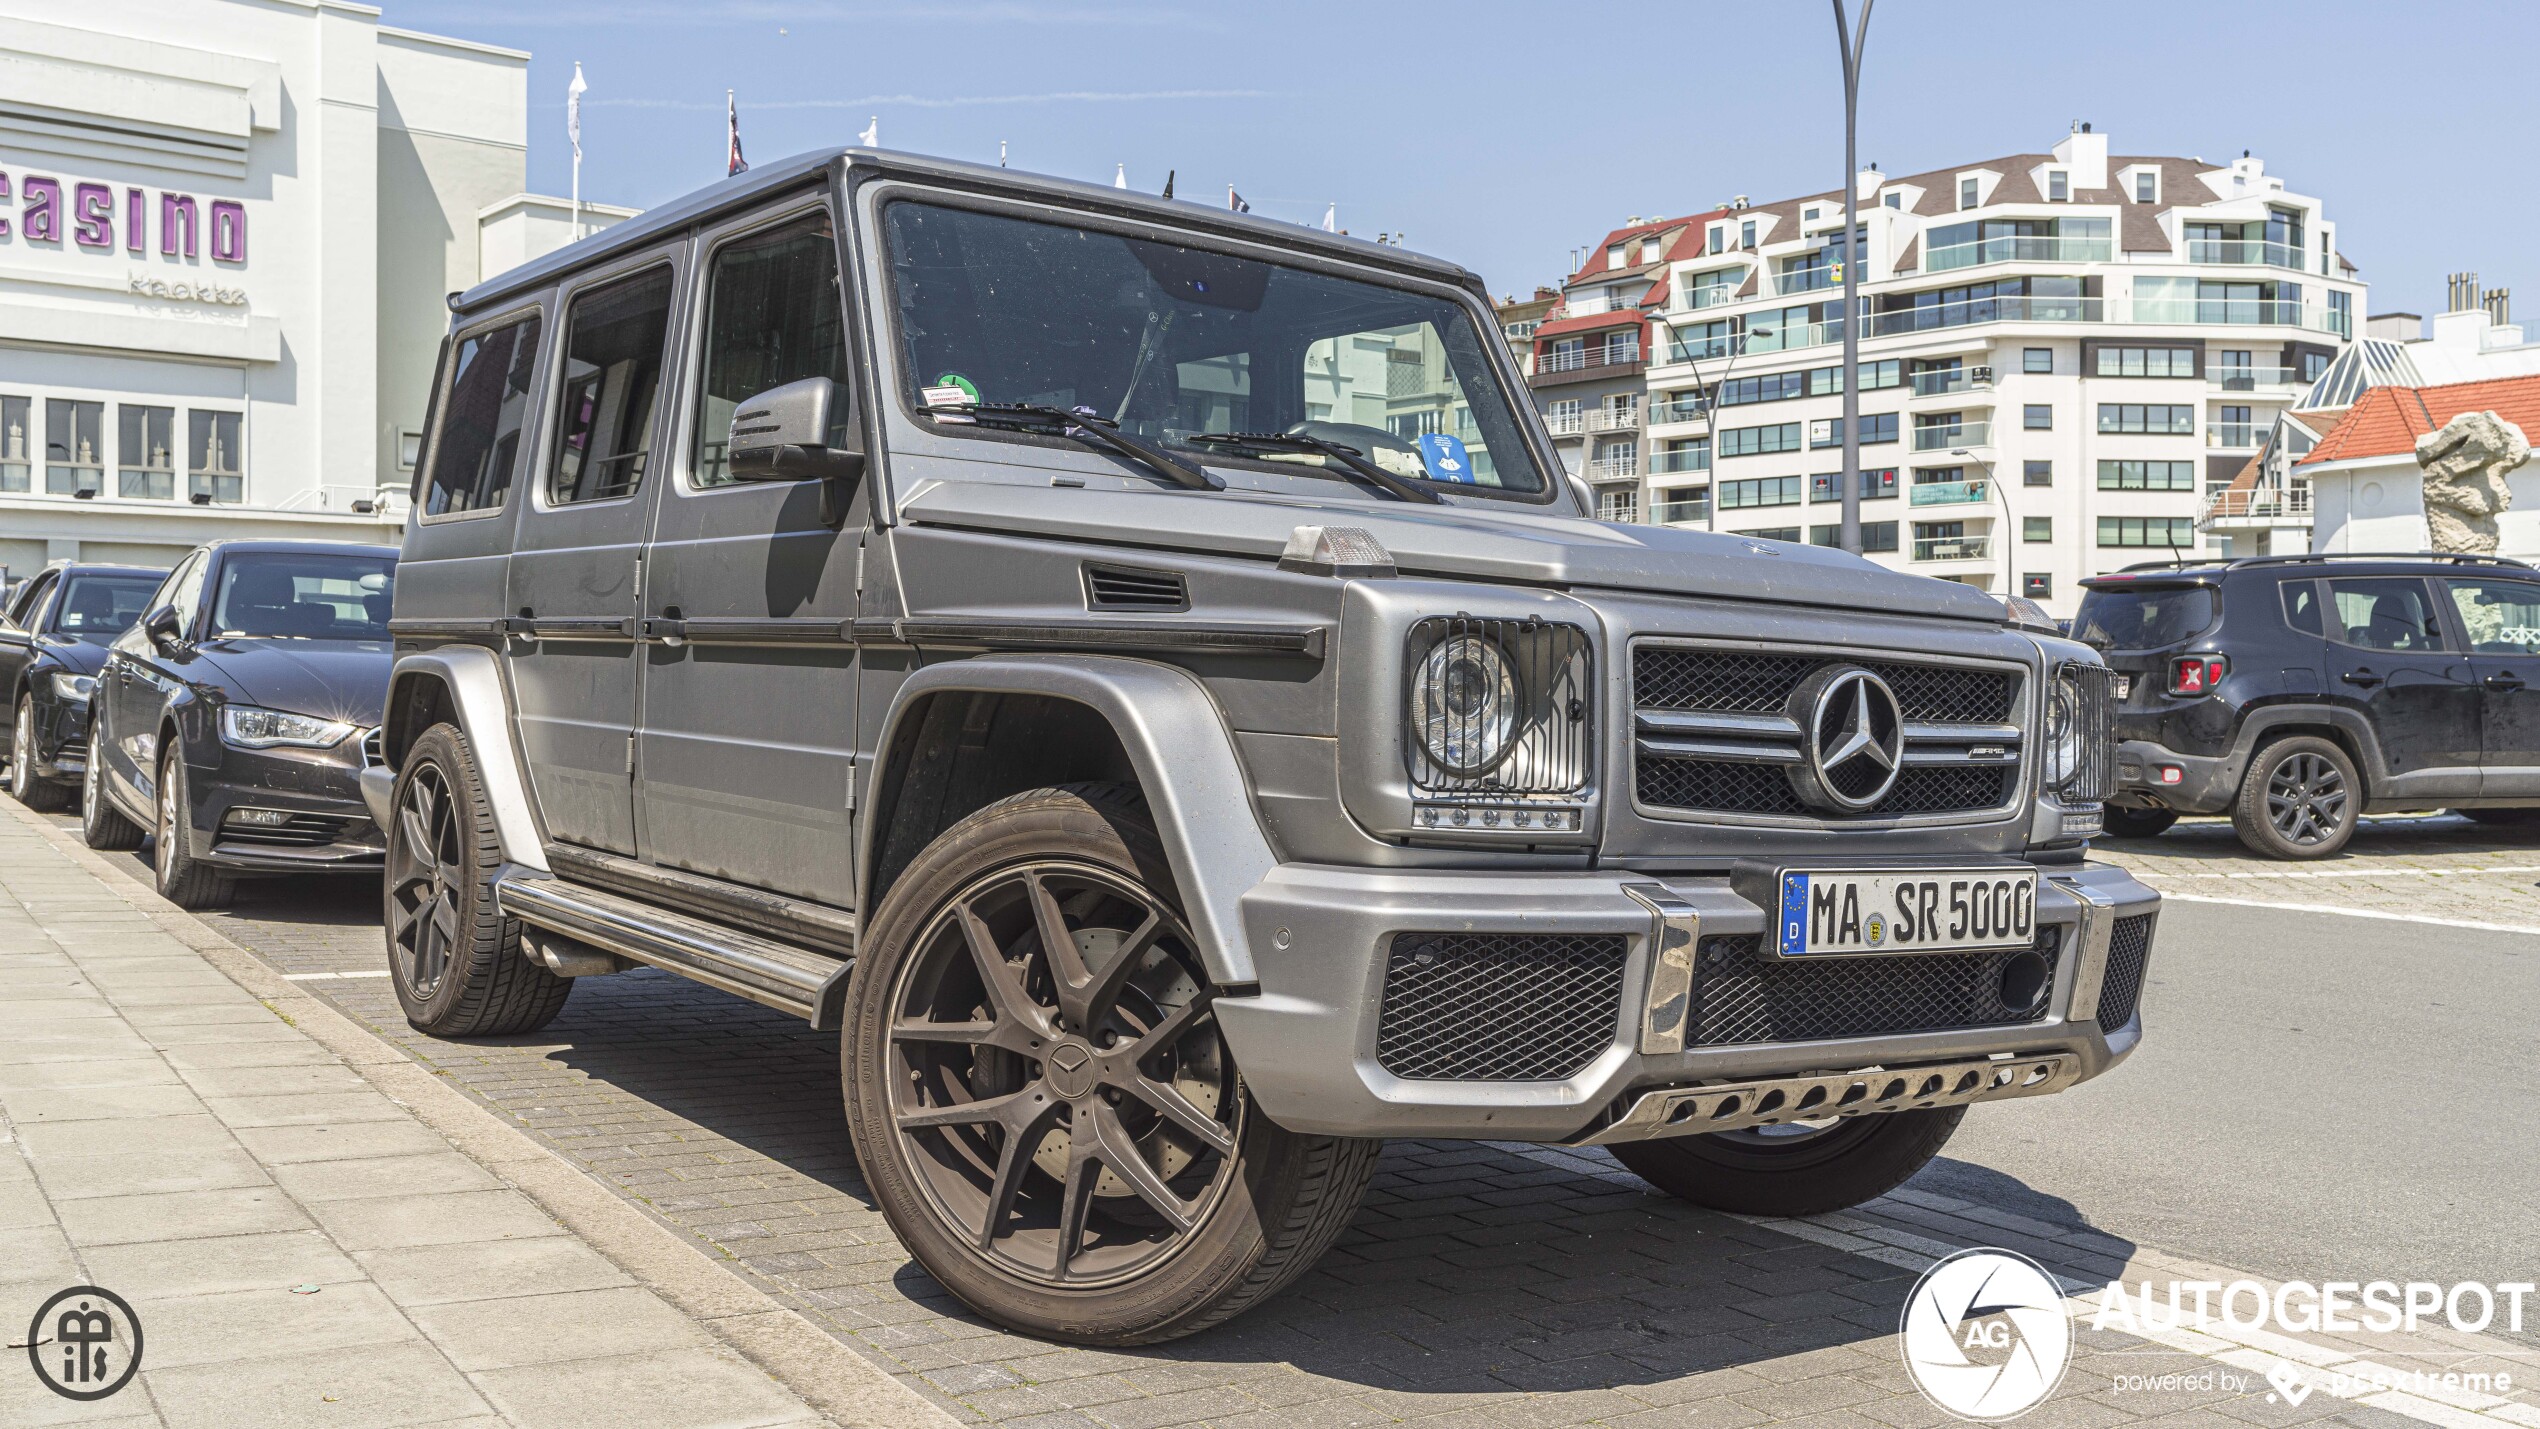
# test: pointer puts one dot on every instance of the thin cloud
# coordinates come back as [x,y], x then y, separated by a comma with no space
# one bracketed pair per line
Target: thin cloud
[922,101]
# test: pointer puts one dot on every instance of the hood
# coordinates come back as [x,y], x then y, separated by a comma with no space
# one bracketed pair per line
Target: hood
[1515,544]
[331,679]
[74,653]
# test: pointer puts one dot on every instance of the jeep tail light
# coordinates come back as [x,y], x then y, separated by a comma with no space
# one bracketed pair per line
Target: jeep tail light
[2197,674]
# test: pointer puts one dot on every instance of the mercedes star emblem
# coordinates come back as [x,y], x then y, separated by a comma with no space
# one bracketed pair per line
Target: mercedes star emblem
[1853,742]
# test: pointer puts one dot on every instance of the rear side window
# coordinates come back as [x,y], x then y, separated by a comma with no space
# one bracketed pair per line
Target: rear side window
[2389,613]
[612,375]
[2302,606]
[773,316]
[2145,618]
[2502,617]
[481,416]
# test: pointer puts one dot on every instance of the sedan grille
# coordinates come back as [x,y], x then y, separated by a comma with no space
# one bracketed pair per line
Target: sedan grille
[1499,1007]
[300,831]
[1747,995]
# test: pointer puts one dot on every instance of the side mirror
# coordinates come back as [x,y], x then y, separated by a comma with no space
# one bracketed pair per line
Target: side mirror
[163,625]
[785,434]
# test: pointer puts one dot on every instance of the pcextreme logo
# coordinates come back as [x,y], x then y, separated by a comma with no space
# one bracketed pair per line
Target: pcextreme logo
[1985,1335]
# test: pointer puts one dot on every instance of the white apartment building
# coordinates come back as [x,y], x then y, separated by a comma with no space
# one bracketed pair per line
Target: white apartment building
[227,228]
[2061,353]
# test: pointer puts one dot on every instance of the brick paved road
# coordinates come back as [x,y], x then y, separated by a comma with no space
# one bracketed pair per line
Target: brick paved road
[2435,867]
[1482,1284]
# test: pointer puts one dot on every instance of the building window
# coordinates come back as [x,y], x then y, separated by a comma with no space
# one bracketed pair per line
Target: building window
[1893,198]
[1875,535]
[2037,417]
[1874,485]
[145,452]
[2036,529]
[2235,429]
[2169,533]
[17,443]
[2148,361]
[2059,186]
[1621,505]
[2147,185]
[2147,476]
[2152,419]
[1967,193]
[2313,364]
[1746,234]
[1719,239]
[2037,359]
[74,447]
[2341,313]
[2037,473]
[1876,428]
[1772,533]
[1759,491]
[478,443]
[1756,441]
[2037,586]
[409,449]
[212,466]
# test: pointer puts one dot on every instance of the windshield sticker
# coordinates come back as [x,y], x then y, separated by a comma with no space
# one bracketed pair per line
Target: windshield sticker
[962,388]
[1445,458]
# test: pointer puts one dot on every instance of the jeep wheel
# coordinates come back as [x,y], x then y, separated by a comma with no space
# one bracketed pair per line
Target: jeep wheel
[2124,823]
[2300,799]
[183,879]
[1041,1100]
[100,822]
[456,960]
[1796,1169]
[33,789]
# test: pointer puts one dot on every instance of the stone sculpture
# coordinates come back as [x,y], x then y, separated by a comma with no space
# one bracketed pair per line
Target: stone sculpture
[2465,491]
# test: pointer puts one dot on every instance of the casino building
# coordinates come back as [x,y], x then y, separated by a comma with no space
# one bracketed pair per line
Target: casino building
[226,232]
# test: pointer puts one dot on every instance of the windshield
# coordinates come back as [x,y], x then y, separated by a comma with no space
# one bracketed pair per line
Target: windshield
[1172,342]
[103,606]
[311,596]
[2144,619]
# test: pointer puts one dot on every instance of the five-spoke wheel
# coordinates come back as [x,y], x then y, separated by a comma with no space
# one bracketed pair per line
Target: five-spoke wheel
[456,960]
[423,903]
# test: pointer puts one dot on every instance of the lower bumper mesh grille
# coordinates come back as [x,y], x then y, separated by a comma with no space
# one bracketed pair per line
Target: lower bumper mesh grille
[1498,1007]
[1747,995]
[2121,985]
[1721,786]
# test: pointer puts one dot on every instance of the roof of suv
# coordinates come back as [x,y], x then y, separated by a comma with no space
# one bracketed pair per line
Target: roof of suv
[746,188]
[2380,563]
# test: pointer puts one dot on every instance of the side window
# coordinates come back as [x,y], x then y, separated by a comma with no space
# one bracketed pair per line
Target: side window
[773,315]
[2502,617]
[30,598]
[2389,613]
[2302,606]
[612,377]
[481,414]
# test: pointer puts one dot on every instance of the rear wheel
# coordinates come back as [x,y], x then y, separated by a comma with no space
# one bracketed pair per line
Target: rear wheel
[2124,823]
[1795,1169]
[100,822]
[1042,1102]
[455,959]
[184,880]
[33,790]
[2299,800]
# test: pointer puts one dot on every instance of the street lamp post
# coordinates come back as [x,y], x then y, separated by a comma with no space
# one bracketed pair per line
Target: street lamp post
[1992,478]
[1851,39]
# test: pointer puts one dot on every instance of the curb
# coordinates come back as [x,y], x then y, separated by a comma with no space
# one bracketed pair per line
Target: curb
[829,1376]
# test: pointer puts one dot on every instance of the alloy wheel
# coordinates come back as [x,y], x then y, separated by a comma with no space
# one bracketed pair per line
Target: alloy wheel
[1056,1078]
[424,870]
[22,753]
[2307,799]
[167,821]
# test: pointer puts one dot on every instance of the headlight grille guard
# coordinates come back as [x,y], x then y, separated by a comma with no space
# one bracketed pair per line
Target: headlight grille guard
[2091,690]
[1549,755]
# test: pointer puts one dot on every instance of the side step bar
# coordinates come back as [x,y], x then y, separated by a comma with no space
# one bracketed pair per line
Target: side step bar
[810,985]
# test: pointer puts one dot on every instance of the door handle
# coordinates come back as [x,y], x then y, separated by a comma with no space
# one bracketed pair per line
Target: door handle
[2364,678]
[2503,680]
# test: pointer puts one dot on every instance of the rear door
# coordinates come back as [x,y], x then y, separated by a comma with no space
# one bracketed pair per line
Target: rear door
[2391,656]
[18,624]
[747,750]
[577,561]
[2498,620]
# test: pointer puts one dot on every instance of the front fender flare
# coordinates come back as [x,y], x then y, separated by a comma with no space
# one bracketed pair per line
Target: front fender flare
[1184,757]
[473,678]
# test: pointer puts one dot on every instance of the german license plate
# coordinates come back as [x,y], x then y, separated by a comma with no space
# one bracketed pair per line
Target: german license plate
[1839,913]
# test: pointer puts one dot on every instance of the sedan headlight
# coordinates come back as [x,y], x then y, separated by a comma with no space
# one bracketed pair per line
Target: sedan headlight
[247,727]
[2081,762]
[74,688]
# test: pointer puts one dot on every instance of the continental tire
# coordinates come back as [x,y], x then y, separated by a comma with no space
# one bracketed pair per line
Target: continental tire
[455,959]
[100,822]
[2299,800]
[1040,1098]
[33,789]
[183,879]
[1794,1170]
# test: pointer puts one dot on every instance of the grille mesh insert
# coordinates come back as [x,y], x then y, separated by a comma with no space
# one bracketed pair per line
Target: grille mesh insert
[1747,995]
[1747,682]
[1719,786]
[2121,985]
[1498,1007]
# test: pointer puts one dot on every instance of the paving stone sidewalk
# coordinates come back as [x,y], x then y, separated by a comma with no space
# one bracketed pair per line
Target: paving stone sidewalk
[2440,867]
[299,1248]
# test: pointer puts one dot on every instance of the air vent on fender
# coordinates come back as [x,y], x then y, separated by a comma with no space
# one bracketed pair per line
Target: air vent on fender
[1134,588]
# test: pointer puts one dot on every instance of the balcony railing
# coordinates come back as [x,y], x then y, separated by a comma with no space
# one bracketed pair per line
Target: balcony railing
[2251,379]
[1688,410]
[1684,510]
[1614,419]
[2018,250]
[1565,424]
[2234,434]
[2016,308]
[1952,548]
[1580,359]
[1806,280]
[2259,312]
[2247,250]
[1956,379]
[2256,504]
[1672,463]
[1961,434]
[1707,295]
[1949,493]
[1606,468]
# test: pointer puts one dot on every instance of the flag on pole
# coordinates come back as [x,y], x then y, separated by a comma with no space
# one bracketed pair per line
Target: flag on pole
[871,138]
[1235,201]
[1331,218]
[732,116]
[1120,176]
[573,108]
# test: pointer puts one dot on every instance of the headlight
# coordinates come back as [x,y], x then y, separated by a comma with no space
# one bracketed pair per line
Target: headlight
[2081,734]
[1464,704]
[250,728]
[75,688]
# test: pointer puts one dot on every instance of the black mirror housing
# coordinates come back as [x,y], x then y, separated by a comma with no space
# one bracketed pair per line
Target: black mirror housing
[787,434]
[163,625]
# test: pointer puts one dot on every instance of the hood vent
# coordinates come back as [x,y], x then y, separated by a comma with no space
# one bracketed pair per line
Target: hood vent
[1134,588]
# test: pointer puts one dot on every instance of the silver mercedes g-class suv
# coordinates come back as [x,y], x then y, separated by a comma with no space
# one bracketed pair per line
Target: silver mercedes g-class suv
[1139,675]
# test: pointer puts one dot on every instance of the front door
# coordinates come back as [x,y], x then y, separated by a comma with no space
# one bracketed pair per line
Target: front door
[138,677]
[577,563]
[2390,655]
[747,750]
[2500,628]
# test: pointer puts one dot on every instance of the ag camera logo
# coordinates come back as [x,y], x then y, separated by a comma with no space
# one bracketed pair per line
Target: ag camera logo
[1986,1336]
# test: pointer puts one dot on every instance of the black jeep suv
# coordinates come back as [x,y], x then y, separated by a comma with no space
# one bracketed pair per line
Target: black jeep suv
[2297,693]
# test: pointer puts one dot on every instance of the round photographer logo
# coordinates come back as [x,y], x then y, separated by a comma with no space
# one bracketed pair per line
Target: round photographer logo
[85,1343]
[1985,1335]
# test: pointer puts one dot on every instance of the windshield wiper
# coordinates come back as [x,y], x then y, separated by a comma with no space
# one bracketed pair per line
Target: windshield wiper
[1084,425]
[1350,457]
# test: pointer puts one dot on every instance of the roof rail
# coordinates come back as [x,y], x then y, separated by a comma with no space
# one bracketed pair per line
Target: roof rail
[2452,557]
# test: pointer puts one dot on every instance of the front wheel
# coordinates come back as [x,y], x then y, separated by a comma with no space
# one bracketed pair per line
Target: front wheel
[2300,799]
[1795,1169]
[184,880]
[1040,1097]
[33,789]
[100,822]
[455,959]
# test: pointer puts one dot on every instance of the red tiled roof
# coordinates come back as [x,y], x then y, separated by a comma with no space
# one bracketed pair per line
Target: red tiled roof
[1656,227]
[2386,421]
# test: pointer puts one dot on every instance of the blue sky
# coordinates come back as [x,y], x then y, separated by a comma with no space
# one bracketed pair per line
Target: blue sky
[1503,135]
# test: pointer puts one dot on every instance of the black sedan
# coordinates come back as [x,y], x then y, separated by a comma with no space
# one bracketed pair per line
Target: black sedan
[53,634]
[233,720]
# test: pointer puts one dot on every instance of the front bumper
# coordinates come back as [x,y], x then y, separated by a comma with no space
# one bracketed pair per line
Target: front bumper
[327,828]
[1308,1041]
[2206,783]
[61,738]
